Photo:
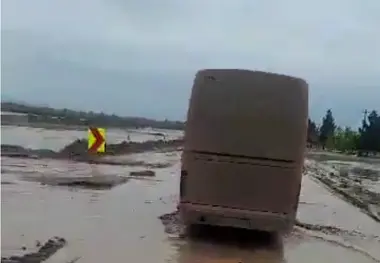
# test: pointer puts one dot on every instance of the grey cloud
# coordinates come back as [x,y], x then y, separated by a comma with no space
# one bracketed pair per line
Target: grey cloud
[154,47]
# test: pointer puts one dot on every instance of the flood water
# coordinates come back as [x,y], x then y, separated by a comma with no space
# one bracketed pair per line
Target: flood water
[121,224]
[39,138]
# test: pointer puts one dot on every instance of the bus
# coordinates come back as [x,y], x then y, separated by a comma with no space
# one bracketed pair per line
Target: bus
[244,145]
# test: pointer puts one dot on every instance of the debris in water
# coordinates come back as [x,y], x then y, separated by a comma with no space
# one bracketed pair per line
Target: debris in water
[90,182]
[172,223]
[44,252]
[142,173]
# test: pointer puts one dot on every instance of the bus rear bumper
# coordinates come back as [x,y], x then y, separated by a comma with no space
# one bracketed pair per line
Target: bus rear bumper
[192,214]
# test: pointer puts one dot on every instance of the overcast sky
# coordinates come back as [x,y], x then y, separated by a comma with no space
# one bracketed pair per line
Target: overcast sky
[139,57]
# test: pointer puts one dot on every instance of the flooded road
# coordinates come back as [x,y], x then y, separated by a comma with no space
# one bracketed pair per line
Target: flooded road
[122,224]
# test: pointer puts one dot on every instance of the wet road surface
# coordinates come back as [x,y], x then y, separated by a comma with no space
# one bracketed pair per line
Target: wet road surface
[122,225]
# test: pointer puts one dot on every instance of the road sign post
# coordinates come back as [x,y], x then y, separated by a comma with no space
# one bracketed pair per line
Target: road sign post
[96,144]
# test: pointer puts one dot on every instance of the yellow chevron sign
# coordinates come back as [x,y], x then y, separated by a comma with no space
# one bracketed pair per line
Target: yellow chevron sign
[96,140]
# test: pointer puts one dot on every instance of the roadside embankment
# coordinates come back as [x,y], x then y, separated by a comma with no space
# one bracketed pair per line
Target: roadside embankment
[350,181]
[77,151]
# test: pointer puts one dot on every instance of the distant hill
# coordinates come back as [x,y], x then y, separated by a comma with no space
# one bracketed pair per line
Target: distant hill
[9,99]
[45,114]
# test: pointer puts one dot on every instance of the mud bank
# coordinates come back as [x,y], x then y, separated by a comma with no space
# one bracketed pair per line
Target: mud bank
[64,173]
[89,182]
[97,182]
[44,252]
[340,181]
[77,151]
[332,230]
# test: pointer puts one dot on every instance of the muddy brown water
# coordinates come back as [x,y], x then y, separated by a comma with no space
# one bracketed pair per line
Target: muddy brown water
[122,224]
[40,138]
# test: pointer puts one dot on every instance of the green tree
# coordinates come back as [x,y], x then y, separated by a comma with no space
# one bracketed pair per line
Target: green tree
[370,133]
[327,130]
[346,140]
[312,132]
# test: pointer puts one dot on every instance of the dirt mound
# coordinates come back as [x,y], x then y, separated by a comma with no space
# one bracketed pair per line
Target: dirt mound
[74,149]
[19,151]
[136,147]
[98,182]
[77,150]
